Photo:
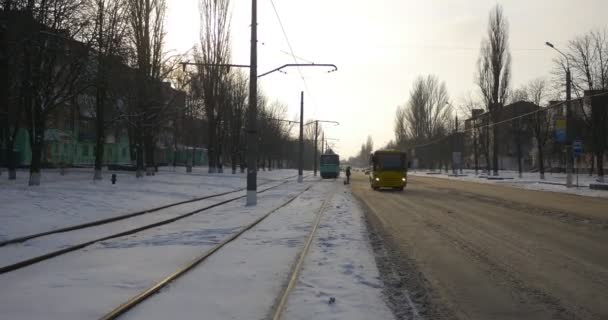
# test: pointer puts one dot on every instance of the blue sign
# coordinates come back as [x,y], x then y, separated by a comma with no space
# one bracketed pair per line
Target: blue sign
[560,130]
[577,148]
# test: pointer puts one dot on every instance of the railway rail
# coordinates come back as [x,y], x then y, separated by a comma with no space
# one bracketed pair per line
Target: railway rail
[284,294]
[121,217]
[50,255]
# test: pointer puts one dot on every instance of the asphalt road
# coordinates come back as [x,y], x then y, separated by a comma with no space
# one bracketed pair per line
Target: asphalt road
[480,251]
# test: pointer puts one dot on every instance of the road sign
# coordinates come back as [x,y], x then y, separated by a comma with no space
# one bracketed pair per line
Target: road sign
[560,130]
[577,148]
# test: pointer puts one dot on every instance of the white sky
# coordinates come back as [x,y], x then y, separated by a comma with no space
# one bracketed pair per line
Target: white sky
[381,46]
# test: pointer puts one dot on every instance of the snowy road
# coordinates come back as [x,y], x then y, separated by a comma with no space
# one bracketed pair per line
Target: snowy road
[242,281]
[487,251]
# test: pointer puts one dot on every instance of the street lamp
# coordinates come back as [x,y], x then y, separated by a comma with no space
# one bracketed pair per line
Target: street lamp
[569,125]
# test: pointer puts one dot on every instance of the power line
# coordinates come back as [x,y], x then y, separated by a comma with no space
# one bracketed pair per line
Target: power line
[293,55]
[287,53]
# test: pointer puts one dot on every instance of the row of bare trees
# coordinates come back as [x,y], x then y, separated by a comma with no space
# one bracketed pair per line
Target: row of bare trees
[110,55]
[425,120]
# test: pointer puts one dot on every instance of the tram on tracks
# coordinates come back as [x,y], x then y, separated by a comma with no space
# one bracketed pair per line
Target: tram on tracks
[329,165]
[388,169]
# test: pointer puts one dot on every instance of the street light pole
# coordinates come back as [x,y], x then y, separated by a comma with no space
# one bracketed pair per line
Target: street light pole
[301,156]
[316,136]
[569,120]
[323,143]
[252,145]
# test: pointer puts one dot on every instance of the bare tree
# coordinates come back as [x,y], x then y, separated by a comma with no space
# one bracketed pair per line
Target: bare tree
[55,51]
[110,30]
[214,50]
[588,56]
[517,95]
[494,72]
[470,106]
[537,91]
[401,133]
[427,114]
[147,19]
[236,118]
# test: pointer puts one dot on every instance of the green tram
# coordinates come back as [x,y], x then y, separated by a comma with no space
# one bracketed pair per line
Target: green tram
[330,166]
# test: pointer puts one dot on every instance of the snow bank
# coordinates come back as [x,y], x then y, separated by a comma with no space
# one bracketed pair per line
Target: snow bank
[553,182]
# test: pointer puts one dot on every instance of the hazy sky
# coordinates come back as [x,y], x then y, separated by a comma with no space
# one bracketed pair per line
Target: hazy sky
[381,46]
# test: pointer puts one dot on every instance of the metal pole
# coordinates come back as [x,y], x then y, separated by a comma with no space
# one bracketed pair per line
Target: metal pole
[301,156]
[252,143]
[316,146]
[569,127]
[323,143]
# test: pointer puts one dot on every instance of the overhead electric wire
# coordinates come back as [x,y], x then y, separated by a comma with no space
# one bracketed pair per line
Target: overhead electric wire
[308,92]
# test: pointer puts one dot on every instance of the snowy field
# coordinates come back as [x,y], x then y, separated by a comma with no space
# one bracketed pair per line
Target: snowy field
[241,281]
[554,182]
[75,198]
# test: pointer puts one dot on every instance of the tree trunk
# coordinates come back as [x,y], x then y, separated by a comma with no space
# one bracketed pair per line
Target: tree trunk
[211,146]
[11,158]
[495,151]
[139,156]
[36,143]
[599,155]
[519,156]
[149,149]
[476,154]
[592,165]
[242,162]
[100,137]
[233,161]
[541,160]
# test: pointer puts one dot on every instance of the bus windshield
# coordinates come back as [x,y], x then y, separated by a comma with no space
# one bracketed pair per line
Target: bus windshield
[389,162]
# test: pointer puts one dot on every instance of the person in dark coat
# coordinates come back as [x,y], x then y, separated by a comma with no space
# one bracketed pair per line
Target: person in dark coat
[348,175]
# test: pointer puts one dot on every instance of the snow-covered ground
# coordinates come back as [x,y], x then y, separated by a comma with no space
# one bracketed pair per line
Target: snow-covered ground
[340,266]
[554,182]
[75,198]
[241,281]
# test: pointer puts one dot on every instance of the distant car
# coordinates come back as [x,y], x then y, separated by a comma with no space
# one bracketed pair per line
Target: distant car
[366,171]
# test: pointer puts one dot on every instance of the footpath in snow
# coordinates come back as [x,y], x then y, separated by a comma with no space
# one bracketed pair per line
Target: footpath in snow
[243,280]
[553,182]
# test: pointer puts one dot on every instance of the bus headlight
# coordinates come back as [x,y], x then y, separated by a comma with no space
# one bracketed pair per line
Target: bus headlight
[377,179]
[403,179]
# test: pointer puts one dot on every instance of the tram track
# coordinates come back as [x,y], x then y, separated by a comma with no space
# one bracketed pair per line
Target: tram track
[282,298]
[100,222]
[50,255]
[156,287]
[295,272]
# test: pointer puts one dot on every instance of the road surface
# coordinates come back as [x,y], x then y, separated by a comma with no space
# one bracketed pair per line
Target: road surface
[479,251]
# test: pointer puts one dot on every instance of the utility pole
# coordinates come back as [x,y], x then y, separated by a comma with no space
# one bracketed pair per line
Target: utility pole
[316,146]
[569,120]
[252,144]
[569,127]
[323,143]
[301,156]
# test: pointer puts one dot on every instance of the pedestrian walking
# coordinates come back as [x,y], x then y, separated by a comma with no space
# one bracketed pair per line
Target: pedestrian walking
[348,175]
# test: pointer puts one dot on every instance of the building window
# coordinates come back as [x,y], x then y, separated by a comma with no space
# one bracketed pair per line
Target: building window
[124,152]
[85,150]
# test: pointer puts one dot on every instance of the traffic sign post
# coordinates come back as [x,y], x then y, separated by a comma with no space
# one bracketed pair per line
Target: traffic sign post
[560,130]
[577,148]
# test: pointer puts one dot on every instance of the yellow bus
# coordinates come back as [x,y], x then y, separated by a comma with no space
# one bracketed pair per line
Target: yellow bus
[388,169]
